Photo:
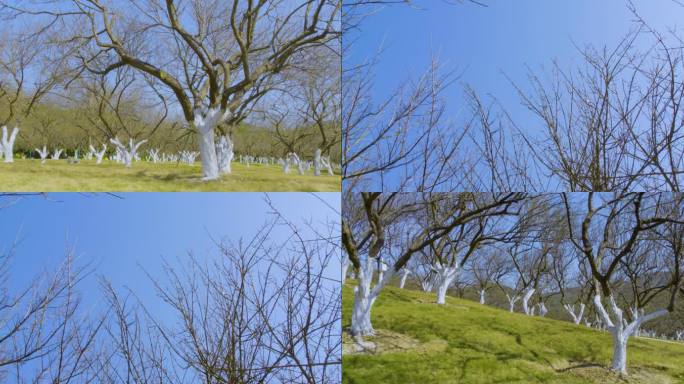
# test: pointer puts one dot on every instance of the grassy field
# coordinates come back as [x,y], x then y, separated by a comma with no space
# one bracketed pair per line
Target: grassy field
[55,176]
[465,342]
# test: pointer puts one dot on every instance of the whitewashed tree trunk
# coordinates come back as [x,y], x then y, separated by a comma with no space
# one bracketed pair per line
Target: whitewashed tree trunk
[206,122]
[328,165]
[56,154]
[381,271]
[576,318]
[345,268]
[224,153]
[98,155]
[153,155]
[482,296]
[128,154]
[427,284]
[636,313]
[317,162]
[404,274]
[43,154]
[364,297]
[445,276]
[542,309]
[511,302]
[621,330]
[7,144]
[525,302]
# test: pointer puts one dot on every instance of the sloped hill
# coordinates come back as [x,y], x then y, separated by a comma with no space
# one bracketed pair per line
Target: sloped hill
[465,342]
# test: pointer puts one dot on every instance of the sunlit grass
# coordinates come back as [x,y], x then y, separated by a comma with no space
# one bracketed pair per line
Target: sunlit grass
[86,176]
[490,345]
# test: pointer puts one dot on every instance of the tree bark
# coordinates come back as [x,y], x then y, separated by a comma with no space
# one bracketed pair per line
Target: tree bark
[205,123]
[576,318]
[224,152]
[621,330]
[43,154]
[404,274]
[364,297]
[525,300]
[445,276]
[7,144]
[317,162]
[511,302]
[482,296]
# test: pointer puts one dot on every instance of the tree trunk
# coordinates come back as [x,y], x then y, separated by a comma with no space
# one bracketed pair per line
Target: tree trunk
[317,162]
[205,123]
[619,363]
[525,300]
[542,309]
[345,268]
[576,318]
[7,144]
[482,296]
[364,297]
[224,153]
[445,276]
[43,154]
[511,302]
[427,284]
[210,168]
[621,330]
[404,275]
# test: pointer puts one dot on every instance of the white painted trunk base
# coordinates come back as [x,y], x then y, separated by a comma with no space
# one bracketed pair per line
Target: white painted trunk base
[7,144]
[404,275]
[576,317]
[511,302]
[621,330]
[445,276]
[43,154]
[224,153]
[525,302]
[364,297]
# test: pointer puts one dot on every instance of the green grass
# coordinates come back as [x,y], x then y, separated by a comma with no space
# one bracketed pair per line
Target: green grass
[465,342]
[56,176]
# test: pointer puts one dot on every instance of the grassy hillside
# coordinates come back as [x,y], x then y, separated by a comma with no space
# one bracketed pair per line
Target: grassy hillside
[56,176]
[465,342]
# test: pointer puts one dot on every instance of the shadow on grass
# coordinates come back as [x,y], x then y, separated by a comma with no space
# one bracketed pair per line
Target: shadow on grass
[579,366]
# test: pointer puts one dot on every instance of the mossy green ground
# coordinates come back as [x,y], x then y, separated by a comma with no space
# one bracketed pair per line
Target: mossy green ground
[86,176]
[465,342]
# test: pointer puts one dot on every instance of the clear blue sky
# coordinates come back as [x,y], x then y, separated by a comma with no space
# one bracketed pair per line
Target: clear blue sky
[484,43]
[119,236]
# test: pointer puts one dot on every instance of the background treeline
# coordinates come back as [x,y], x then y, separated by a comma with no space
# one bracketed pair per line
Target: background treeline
[75,125]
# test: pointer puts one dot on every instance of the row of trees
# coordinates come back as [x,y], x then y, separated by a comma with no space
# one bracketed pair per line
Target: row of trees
[611,124]
[612,252]
[204,67]
[259,311]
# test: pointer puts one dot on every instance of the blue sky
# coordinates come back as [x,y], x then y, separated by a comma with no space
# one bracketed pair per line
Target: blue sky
[485,45]
[119,236]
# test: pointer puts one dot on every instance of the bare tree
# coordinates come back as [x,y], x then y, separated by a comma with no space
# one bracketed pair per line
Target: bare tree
[488,270]
[264,311]
[402,142]
[45,337]
[214,59]
[26,77]
[606,228]
[369,216]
